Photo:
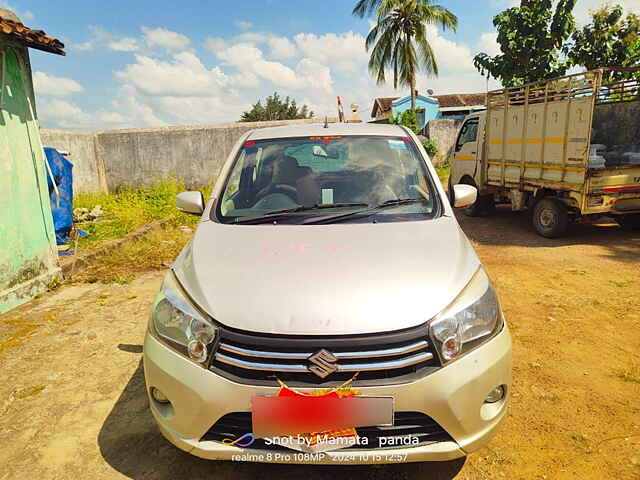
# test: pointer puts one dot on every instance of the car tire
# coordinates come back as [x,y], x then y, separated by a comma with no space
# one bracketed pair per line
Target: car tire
[629,222]
[550,217]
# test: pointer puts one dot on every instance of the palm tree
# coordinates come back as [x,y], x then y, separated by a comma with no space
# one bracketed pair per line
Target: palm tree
[398,40]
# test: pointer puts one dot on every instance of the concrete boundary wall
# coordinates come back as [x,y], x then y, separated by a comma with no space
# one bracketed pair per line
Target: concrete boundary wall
[106,160]
[444,132]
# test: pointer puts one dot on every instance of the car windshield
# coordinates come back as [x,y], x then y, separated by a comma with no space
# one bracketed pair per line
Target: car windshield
[294,178]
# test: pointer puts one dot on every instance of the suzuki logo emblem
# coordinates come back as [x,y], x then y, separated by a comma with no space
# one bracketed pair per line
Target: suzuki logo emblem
[323,363]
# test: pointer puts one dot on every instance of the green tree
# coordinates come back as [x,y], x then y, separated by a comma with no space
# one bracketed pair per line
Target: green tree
[409,119]
[609,40]
[398,41]
[531,38]
[276,109]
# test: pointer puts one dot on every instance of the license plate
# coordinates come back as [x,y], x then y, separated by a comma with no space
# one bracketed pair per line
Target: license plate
[277,416]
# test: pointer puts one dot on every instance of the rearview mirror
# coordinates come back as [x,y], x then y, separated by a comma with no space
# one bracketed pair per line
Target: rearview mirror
[463,195]
[190,202]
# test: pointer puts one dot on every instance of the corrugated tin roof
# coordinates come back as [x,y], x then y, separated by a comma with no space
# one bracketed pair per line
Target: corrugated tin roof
[16,30]
[461,99]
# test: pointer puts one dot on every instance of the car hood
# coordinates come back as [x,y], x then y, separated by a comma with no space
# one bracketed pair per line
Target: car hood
[326,279]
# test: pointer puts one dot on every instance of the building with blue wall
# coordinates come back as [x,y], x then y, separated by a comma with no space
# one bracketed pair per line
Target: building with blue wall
[452,106]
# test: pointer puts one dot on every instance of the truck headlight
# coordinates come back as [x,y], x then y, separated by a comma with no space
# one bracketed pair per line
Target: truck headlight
[472,318]
[176,322]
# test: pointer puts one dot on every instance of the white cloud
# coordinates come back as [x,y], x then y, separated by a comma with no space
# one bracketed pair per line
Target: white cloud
[344,52]
[103,38]
[64,113]
[242,25]
[165,38]
[23,15]
[215,44]
[57,86]
[450,56]
[184,75]
[82,47]
[133,111]
[248,58]
[281,47]
[488,44]
[166,82]
[124,44]
[126,110]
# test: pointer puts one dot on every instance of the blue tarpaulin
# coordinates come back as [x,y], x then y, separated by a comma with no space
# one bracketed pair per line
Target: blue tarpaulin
[60,195]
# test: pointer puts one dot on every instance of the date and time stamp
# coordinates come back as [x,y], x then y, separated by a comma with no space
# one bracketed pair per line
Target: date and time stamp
[304,457]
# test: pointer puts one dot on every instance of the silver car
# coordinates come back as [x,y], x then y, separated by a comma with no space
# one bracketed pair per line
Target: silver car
[328,256]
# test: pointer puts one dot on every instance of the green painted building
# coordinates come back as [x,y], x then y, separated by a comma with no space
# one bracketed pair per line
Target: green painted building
[28,255]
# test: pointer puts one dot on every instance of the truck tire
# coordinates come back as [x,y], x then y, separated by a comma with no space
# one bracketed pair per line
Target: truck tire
[629,222]
[550,217]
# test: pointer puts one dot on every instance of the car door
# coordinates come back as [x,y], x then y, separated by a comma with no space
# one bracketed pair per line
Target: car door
[466,151]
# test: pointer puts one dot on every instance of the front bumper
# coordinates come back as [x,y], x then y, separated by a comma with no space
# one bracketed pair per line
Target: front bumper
[453,396]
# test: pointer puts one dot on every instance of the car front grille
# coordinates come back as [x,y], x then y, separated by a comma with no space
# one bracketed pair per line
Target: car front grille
[391,358]
[410,429]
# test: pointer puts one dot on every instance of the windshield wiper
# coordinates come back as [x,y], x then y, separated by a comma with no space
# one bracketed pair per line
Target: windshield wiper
[274,215]
[367,211]
[399,201]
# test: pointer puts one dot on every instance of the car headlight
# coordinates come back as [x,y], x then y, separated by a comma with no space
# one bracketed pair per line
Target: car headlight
[178,323]
[472,318]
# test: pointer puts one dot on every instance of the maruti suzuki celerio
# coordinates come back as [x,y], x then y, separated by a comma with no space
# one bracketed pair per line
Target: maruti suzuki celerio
[328,255]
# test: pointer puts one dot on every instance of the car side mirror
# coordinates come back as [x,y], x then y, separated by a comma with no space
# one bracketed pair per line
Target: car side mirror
[190,202]
[463,195]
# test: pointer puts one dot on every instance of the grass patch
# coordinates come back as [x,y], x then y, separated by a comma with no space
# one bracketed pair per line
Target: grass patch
[128,209]
[154,251]
[444,171]
[631,374]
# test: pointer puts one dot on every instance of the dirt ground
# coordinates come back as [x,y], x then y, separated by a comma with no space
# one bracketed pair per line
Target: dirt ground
[72,402]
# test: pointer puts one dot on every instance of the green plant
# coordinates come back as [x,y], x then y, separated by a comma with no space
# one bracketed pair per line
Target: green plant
[431,147]
[531,37]
[409,119]
[398,40]
[444,171]
[131,208]
[609,40]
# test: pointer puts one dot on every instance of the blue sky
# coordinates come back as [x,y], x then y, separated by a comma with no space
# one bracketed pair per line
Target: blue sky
[151,63]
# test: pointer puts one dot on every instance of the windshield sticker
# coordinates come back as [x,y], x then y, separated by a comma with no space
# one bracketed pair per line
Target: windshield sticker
[397,145]
[327,195]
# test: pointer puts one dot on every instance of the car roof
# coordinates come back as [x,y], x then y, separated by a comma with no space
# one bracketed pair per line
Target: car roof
[318,129]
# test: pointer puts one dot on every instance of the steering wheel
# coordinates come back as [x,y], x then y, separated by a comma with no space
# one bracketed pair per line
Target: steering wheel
[282,188]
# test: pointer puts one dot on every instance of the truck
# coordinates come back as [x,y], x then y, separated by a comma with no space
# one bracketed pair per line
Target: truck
[564,149]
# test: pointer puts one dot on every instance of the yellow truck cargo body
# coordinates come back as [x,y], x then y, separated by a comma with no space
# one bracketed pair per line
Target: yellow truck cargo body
[540,136]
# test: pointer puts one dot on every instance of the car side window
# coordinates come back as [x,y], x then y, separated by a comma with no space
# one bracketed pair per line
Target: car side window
[468,133]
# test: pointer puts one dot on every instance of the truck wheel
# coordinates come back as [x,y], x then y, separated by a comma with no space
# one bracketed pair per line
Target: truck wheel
[629,222]
[550,217]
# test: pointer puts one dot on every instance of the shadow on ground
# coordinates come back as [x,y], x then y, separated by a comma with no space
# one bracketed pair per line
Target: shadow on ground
[130,442]
[508,228]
